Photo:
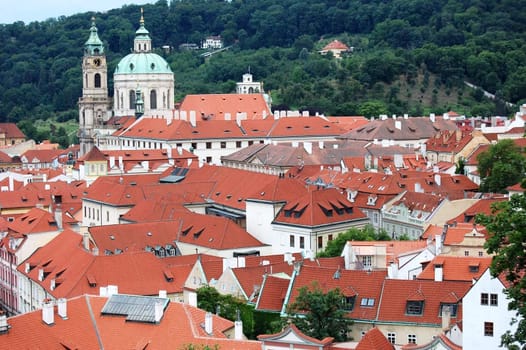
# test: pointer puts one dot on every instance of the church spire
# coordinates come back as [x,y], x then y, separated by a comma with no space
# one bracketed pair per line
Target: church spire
[142,41]
[93,46]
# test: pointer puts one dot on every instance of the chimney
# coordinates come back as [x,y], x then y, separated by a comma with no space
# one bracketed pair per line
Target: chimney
[62,305]
[238,330]
[192,119]
[208,323]
[85,240]
[11,183]
[47,312]
[162,294]
[113,290]
[121,164]
[40,274]
[432,117]
[308,147]
[321,145]
[112,162]
[58,217]
[446,316]
[159,310]
[103,291]
[406,116]
[4,327]
[398,124]
[183,116]
[438,244]
[438,179]
[180,150]
[239,118]
[418,187]
[192,299]
[439,273]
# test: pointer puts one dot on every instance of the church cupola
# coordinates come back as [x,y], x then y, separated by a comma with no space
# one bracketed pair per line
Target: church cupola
[142,41]
[93,46]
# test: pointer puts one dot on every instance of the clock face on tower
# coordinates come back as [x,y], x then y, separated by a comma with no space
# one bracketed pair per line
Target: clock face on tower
[96,62]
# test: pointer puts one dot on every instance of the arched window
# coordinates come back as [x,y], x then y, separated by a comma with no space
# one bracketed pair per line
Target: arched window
[153,99]
[97,80]
[132,99]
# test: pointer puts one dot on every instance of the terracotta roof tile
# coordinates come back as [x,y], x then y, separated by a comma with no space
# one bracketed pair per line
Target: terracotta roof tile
[215,106]
[374,340]
[11,130]
[272,294]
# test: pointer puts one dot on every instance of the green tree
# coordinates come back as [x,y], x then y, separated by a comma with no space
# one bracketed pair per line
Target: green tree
[500,166]
[507,233]
[320,314]
[368,233]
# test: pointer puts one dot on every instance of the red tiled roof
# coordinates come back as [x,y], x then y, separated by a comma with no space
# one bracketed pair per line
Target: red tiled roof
[87,328]
[34,221]
[449,141]
[374,340]
[272,294]
[304,126]
[41,155]
[362,284]
[482,206]
[214,106]
[335,45]
[457,234]
[397,292]
[94,155]
[11,130]
[455,268]
[394,249]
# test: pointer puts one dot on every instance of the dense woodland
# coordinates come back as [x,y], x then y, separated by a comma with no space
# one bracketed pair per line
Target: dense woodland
[410,56]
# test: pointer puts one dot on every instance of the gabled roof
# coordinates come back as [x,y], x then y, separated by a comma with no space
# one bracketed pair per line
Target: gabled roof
[86,327]
[317,208]
[365,286]
[396,294]
[40,155]
[215,106]
[449,141]
[374,339]
[335,45]
[458,233]
[272,293]
[11,130]
[456,268]
[34,221]
[94,155]
[482,206]
[414,128]
[292,333]
[440,341]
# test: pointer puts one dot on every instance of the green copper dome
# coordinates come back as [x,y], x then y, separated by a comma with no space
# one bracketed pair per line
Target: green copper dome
[93,46]
[142,63]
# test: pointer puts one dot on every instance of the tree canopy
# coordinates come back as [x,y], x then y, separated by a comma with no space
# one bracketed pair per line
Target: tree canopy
[502,165]
[402,63]
[319,314]
[507,233]
[368,233]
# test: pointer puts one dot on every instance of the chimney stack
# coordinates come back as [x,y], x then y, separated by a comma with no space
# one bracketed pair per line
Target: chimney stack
[158,311]
[62,305]
[238,330]
[446,317]
[208,323]
[4,326]
[48,317]
[439,273]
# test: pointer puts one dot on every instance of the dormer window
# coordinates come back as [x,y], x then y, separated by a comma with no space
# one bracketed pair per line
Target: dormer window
[448,306]
[414,308]
[348,303]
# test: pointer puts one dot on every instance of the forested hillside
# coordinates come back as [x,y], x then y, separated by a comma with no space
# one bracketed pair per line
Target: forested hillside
[410,56]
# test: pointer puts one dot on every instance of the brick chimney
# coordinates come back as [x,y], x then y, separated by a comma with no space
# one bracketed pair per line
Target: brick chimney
[48,316]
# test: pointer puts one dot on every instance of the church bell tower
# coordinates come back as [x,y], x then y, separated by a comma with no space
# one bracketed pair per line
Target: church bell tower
[94,105]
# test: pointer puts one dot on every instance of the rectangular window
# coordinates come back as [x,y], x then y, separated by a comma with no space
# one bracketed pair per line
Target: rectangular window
[330,238]
[367,302]
[320,242]
[391,337]
[250,143]
[493,299]
[238,144]
[223,144]
[291,241]
[367,261]
[302,242]
[348,303]
[484,299]
[107,216]
[208,145]
[488,329]
[194,145]
[466,252]
[414,308]
[411,338]
[209,159]
[452,309]
[481,254]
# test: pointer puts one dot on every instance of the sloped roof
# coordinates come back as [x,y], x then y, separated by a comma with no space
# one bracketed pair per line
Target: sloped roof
[215,106]
[456,268]
[335,45]
[41,155]
[374,339]
[291,328]
[449,141]
[319,207]
[482,206]
[363,285]
[87,328]
[396,293]
[94,155]
[457,234]
[248,277]
[35,220]
[394,249]
[414,128]
[272,294]
[11,130]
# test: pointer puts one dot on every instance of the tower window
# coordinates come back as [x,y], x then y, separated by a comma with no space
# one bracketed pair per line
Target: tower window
[97,80]
[132,99]
[153,99]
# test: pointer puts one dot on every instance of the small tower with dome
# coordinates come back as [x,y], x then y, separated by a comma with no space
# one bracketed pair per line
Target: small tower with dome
[94,104]
[147,72]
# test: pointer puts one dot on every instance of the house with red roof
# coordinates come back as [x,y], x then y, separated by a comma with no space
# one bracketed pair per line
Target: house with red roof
[464,239]
[293,217]
[454,268]
[374,339]
[41,158]
[121,321]
[10,134]
[452,145]
[409,212]
[336,47]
